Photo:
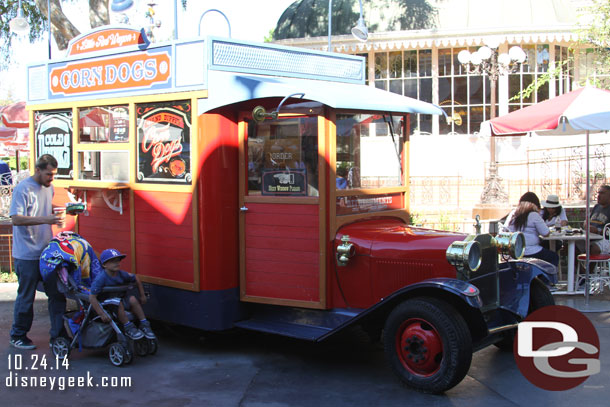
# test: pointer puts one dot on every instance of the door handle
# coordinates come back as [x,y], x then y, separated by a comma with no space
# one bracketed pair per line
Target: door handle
[243,209]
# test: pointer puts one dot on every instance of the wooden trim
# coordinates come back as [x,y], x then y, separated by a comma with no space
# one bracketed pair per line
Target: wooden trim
[397,213]
[241,159]
[132,225]
[168,283]
[332,161]
[375,191]
[165,97]
[323,130]
[133,143]
[306,200]
[195,220]
[86,184]
[280,301]
[195,154]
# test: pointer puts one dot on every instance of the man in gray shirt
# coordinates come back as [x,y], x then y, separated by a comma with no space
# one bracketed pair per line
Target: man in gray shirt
[32,216]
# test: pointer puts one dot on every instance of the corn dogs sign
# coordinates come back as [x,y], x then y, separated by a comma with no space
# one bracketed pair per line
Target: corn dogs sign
[135,70]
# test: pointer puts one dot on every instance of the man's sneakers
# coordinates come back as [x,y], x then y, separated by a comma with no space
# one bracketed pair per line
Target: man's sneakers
[22,343]
[145,328]
[133,332]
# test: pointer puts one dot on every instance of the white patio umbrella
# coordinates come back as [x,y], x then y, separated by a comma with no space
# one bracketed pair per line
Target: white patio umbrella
[585,110]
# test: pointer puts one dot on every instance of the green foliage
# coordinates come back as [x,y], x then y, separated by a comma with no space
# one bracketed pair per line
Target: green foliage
[546,77]
[24,162]
[596,33]
[269,37]
[7,277]
[415,219]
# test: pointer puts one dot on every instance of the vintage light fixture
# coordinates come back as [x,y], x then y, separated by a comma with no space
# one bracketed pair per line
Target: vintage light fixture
[19,25]
[486,60]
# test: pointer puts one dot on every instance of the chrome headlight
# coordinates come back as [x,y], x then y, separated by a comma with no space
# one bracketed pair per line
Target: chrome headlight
[511,244]
[465,255]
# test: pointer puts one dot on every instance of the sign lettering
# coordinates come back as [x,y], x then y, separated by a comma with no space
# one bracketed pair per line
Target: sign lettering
[106,39]
[103,74]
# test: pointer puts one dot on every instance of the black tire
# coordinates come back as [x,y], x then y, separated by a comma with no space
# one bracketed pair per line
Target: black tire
[153,346]
[427,344]
[141,347]
[117,354]
[540,296]
[60,347]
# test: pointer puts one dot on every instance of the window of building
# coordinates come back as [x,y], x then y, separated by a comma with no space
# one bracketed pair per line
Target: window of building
[407,73]
[537,64]
[464,97]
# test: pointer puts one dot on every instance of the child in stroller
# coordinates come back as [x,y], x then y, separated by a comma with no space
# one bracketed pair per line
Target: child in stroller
[113,276]
[70,257]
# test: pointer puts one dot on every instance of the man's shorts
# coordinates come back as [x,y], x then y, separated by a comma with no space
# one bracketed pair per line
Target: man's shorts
[604,245]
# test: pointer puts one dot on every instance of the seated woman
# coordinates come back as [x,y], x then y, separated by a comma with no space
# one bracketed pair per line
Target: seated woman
[553,213]
[527,219]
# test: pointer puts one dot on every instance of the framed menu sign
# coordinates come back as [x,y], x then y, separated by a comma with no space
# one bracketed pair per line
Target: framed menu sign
[164,142]
[53,134]
[291,182]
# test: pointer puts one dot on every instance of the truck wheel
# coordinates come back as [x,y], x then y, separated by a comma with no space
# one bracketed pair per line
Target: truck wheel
[428,344]
[540,296]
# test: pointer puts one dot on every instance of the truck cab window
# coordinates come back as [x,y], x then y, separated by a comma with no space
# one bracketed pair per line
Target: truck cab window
[369,147]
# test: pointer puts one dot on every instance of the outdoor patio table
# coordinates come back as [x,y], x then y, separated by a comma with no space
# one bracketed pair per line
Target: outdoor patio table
[571,240]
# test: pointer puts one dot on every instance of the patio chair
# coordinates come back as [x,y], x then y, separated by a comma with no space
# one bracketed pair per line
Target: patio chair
[599,277]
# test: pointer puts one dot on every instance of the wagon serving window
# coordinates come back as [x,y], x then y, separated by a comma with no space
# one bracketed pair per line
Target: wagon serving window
[53,133]
[164,142]
[283,157]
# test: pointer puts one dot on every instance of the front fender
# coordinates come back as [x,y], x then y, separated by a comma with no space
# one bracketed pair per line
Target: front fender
[515,279]
[469,293]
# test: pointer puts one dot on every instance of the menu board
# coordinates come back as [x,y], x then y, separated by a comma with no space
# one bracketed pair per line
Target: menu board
[164,135]
[53,134]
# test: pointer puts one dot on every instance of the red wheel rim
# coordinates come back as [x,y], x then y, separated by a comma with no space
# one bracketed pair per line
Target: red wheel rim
[419,347]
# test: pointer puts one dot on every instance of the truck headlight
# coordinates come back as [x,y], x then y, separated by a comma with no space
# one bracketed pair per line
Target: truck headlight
[511,244]
[465,255]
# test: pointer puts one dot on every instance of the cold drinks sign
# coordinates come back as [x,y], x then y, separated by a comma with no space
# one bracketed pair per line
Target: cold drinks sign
[136,70]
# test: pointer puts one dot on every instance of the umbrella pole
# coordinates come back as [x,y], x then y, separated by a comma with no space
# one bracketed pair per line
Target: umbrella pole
[587,241]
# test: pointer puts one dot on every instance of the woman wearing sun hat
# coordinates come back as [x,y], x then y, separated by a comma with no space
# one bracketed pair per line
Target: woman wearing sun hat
[553,211]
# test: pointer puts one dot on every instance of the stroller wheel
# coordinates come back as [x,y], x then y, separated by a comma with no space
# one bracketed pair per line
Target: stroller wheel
[153,345]
[141,347]
[128,355]
[117,353]
[60,347]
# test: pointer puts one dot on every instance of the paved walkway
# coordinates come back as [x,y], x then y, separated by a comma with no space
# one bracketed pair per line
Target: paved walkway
[254,370]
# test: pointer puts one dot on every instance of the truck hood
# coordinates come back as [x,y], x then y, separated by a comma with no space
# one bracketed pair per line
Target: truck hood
[392,239]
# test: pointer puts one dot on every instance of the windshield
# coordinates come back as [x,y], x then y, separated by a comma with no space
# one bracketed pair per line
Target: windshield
[369,147]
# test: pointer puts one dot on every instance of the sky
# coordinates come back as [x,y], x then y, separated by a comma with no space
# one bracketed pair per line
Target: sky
[249,19]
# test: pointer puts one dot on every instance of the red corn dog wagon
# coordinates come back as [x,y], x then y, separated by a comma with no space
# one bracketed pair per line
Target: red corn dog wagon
[266,187]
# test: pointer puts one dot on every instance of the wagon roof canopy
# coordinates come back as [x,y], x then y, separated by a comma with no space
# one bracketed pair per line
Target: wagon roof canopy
[226,88]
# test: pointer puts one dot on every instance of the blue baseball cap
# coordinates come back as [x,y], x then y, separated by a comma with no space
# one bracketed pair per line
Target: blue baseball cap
[110,254]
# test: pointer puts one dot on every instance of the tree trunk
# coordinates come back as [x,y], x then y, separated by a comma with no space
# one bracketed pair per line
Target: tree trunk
[98,13]
[62,29]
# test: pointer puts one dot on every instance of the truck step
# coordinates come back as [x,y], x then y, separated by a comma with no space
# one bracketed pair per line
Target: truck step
[307,324]
[310,333]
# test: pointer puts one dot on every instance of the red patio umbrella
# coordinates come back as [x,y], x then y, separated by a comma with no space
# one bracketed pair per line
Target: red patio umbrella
[15,115]
[584,110]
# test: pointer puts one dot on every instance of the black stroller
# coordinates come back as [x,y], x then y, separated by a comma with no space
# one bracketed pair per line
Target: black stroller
[75,265]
